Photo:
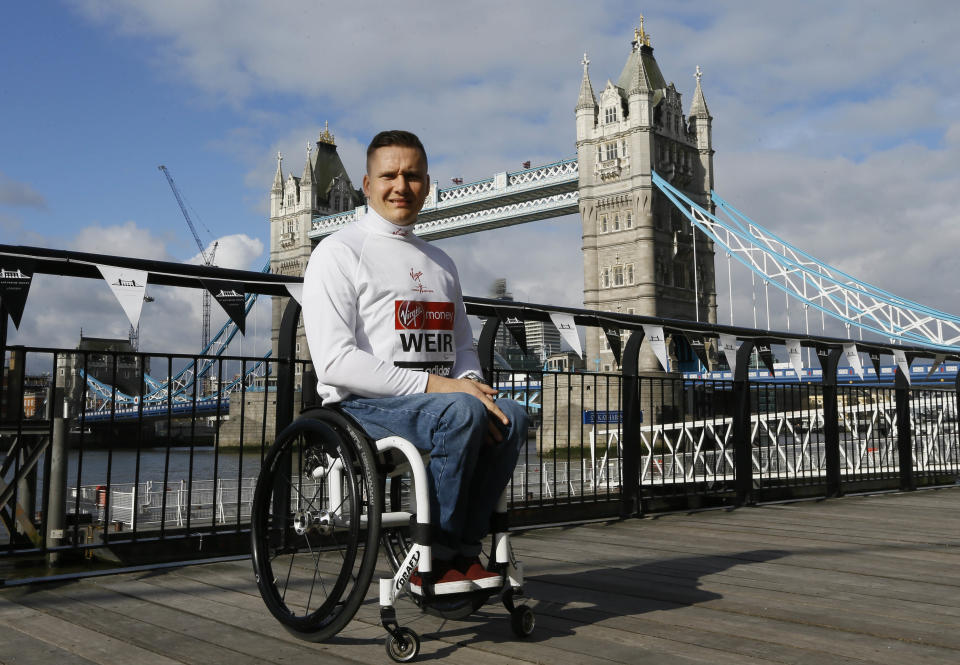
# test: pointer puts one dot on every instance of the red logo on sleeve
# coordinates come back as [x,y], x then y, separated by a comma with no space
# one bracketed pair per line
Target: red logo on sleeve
[417,315]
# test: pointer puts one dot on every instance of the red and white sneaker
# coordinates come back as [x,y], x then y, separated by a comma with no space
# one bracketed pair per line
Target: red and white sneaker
[447,580]
[474,571]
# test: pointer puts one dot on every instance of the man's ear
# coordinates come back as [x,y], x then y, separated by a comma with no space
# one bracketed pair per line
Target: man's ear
[366,185]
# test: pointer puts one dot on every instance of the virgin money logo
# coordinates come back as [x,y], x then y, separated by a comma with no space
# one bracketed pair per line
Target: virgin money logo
[410,315]
[423,315]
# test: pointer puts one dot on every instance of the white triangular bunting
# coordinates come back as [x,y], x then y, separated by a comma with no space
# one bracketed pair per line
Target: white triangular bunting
[901,359]
[728,344]
[128,286]
[295,289]
[654,335]
[853,358]
[793,351]
[568,330]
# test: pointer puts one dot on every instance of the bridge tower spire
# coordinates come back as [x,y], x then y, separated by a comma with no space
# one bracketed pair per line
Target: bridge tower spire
[638,252]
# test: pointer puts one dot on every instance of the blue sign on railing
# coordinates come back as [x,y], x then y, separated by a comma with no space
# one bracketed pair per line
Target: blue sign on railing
[604,417]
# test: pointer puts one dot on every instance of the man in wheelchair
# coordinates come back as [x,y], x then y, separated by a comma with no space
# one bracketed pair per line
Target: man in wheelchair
[390,343]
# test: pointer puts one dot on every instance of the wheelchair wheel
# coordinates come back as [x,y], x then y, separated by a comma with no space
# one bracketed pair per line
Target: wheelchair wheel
[315,521]
[396,543]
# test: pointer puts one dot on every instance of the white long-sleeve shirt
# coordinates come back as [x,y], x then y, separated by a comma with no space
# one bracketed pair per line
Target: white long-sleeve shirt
[382,308]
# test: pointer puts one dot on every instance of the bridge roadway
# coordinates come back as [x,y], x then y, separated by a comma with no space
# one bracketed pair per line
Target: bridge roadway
[861,579]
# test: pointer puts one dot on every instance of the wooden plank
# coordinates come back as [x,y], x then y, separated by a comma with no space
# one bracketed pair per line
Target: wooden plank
[17,648]
[78,644]
[144,625]
[364,637]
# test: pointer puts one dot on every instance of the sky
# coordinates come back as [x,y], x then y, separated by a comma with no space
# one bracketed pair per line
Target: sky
[835,125]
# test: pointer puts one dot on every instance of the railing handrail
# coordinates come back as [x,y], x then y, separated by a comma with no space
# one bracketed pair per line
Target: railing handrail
[164,273]
[488,307]
[167,273]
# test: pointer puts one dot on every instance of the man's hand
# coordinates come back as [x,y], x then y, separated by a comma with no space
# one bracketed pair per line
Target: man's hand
[483,392]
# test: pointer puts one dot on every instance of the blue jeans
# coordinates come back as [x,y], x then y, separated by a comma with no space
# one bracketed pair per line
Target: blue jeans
[466,475]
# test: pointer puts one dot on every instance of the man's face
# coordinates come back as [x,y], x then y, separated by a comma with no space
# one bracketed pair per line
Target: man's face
[396,183]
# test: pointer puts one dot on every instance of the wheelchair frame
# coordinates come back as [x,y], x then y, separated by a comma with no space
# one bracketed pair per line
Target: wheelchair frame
[335,455]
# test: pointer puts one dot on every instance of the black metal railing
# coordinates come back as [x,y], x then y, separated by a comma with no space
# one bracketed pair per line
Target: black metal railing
[85,474]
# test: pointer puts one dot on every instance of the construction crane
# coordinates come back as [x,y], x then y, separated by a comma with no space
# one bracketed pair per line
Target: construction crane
[207,259]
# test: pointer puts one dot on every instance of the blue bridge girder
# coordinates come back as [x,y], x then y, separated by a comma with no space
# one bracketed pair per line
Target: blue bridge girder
[158,411]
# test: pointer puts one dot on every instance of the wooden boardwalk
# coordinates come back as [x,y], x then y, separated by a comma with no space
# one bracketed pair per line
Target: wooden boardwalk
[869,579]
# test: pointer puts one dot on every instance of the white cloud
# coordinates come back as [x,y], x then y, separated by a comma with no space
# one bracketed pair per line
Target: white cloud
[20,194]
[125,239]
[238,251]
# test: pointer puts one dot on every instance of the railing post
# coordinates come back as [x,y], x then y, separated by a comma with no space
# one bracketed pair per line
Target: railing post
[904,435]
[485,346]
[742,453]
[956,395]
[831,419]
[3,354]
[57,488]
[286,354]
[631,498]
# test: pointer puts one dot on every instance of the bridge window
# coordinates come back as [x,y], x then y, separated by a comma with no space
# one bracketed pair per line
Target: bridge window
[616,222]
[618,275]
[629,220]
[603,224]
[611,150]
[605,277]
[611,114]
[289,199]
[628,274]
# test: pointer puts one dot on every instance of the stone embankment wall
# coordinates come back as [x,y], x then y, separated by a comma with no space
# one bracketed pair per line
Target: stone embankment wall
[251,419]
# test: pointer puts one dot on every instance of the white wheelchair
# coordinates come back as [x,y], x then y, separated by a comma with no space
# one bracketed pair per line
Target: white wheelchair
[327,498]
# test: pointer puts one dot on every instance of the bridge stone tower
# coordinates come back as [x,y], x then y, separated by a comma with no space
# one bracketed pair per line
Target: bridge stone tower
[639,255]
[324,188]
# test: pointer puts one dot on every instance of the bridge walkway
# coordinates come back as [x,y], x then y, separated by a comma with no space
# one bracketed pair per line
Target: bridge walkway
[863,579]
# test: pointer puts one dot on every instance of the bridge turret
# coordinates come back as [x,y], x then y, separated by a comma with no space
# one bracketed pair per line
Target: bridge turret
[307,194]
[701,124]
[586,103]
[276,192]
[638,254]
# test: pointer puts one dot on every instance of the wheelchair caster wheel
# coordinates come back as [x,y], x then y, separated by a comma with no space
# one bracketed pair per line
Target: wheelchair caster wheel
[523,621]
[403,646]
